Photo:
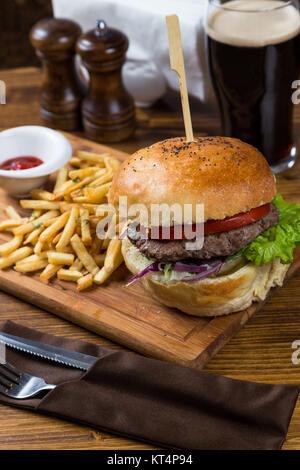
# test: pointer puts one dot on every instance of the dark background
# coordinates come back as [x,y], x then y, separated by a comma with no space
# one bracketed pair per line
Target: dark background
[16,19]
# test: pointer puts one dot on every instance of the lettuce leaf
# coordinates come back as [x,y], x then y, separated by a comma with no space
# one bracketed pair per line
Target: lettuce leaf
[278,241]
[168,271]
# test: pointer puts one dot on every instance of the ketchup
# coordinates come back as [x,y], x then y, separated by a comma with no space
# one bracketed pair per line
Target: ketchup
[21,163]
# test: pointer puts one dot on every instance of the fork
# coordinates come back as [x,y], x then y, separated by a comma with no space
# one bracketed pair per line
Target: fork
[17,384]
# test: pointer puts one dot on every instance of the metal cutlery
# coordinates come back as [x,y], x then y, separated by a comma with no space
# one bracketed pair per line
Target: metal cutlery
[19,385]
[52,353]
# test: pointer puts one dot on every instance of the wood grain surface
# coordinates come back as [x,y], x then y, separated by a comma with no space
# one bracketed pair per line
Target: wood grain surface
[260,352]
[128,315]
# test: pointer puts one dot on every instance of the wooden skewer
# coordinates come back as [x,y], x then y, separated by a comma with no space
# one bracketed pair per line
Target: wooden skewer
[177,64]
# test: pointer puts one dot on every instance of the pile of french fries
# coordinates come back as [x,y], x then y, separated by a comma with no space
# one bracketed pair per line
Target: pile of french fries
[60,236]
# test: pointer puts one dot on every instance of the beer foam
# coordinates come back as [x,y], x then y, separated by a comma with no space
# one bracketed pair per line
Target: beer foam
[253,23]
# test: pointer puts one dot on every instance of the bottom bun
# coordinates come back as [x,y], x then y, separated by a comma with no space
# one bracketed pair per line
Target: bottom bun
[209,297]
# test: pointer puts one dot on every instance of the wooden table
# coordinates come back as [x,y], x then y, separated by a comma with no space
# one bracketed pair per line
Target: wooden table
[261,351]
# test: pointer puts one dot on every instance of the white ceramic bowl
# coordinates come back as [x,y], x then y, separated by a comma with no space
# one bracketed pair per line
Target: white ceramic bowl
[47,144]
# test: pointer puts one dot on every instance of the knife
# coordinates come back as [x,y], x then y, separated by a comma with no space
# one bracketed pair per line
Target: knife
[46,351]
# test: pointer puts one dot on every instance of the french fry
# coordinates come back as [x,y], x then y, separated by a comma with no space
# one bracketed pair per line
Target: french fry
[67,198]
[77,265]
[30,266]
[68,230]
[76,194]
[78,230]
[75,161]
[113,257]
[12,258]
[11,213]
[90,207]
[32,237]
[99,258]
[49,271]
[97,194]
[38,247]
[102,179]
[80,199]
[112,163]
[60,258]
[56,239]
[84,282]
[62,190]
[83,172]
[94,220]
[82,253]
[30,226]
[41,194]
[37,204]
[66,206]
[36,213]
[61,178]
[101,276]
[12,245]
[93,178]
[69,186]
[67,249]
[68,275]
[85,227]
[96,246]
[90,156]
[10,223]
[50,222]
[31,258]
[51,231]
[112,261]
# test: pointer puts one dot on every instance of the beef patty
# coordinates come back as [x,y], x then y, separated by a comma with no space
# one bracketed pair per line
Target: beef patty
[219,244]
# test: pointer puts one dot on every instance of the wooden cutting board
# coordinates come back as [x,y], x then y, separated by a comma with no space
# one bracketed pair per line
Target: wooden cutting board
[129,316]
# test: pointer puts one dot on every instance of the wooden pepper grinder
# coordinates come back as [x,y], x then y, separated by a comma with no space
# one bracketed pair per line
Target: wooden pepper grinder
[54,40]
[107,109]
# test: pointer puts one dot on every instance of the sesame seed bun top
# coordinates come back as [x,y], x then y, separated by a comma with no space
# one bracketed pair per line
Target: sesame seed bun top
[225,174]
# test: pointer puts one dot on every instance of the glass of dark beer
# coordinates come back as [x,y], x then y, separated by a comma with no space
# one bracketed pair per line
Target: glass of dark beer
[254,58]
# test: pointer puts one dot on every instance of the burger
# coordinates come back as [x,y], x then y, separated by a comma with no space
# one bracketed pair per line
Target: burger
[250,232]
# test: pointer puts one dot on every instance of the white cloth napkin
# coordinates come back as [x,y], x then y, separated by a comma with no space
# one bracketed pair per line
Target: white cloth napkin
[144,23]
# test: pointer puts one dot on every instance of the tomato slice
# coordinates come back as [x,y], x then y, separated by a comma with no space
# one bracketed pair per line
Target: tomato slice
[245,218]
[217,226]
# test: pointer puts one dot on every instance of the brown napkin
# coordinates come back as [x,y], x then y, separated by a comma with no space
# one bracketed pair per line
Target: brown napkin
[154,401]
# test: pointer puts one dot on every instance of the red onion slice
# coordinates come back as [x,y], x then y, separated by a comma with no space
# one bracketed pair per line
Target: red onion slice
[203,270]
[212,270]
[149,269]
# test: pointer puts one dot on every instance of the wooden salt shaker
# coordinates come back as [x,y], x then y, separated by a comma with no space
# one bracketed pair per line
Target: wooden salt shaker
[54,40]
[107,109]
